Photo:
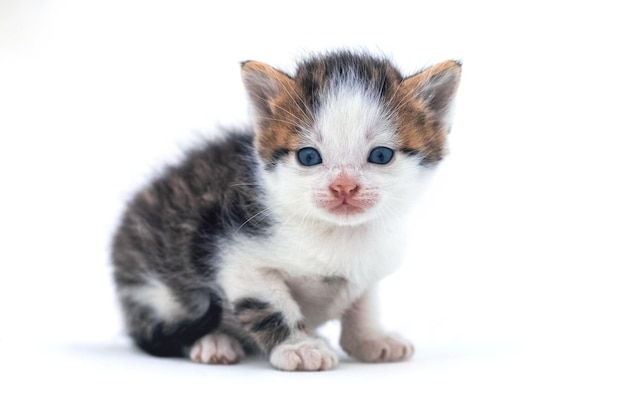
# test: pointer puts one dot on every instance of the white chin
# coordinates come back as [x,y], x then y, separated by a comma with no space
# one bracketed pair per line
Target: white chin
[347,218]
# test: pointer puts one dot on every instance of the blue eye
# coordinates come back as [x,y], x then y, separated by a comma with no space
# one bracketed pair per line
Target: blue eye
[309,157]
[380,155]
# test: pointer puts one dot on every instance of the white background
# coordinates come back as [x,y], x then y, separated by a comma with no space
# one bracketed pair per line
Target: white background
[513,292]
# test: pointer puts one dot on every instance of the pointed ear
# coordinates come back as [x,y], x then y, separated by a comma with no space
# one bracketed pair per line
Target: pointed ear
[264,84]
[436,87]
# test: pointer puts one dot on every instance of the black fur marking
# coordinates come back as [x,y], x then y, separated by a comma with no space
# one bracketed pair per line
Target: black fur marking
[203,247]
[310,87]
[270,323]
[250,304]
[267,326]
[424,161]
[271,331]
[277,155]
[168,341]
[301,325]
[316,75]
[411,152]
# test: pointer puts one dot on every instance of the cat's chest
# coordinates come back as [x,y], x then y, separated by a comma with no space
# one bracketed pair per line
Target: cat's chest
[360,255]
[325,271]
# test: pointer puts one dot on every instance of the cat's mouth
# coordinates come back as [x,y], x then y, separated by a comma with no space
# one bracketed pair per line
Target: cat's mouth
[346,206]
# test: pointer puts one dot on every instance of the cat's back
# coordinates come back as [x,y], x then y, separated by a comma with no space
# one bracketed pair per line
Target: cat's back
[212,190]
[210,170]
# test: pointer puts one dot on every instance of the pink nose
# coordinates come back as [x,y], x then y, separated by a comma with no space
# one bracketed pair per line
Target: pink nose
[344,186]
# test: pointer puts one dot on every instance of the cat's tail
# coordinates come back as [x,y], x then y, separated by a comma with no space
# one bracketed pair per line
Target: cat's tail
[174,339]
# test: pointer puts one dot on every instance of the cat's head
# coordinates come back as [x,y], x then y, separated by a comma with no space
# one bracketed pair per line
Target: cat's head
[348,139]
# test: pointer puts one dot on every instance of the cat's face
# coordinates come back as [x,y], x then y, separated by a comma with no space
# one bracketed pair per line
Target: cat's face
[346,166]
[348,140]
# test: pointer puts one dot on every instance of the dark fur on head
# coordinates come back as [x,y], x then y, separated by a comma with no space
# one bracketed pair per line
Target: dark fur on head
[287,104]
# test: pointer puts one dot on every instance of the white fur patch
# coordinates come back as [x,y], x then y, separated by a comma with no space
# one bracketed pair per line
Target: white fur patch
[156,295]
[349,123]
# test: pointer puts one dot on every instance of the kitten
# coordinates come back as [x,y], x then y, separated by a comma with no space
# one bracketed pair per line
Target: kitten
[258,238]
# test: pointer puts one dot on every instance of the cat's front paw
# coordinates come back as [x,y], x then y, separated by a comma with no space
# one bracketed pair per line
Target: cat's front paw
[308,355]
[383,348]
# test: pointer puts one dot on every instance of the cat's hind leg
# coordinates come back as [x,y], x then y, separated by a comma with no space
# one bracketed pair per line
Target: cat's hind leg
[162,326]
[217,348]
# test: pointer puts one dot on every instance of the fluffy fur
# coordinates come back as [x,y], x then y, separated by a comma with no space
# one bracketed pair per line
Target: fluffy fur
[247,245]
